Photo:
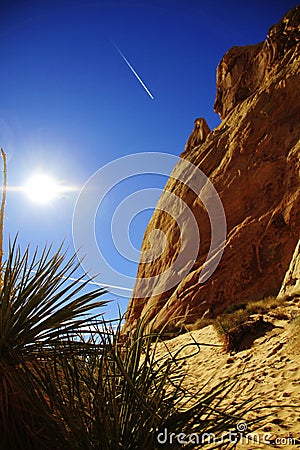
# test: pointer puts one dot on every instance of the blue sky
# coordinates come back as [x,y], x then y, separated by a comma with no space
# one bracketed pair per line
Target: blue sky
[69,104]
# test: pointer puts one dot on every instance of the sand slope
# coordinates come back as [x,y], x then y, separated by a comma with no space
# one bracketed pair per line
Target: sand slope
[272,372]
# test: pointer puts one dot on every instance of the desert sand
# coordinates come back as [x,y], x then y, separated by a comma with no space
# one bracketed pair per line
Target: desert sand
[270,372]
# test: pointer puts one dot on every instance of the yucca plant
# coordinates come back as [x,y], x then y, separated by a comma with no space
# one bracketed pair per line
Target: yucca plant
[139,395]
[2,206]
[119,394]
[68,381]
[39,311]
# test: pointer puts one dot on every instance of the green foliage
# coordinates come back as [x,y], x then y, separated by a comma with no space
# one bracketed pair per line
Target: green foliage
[71,382]
[119,395]
[37,306]
[39,311]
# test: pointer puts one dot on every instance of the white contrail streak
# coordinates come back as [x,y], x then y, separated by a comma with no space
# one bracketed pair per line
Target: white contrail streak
[133,71]
[103,285]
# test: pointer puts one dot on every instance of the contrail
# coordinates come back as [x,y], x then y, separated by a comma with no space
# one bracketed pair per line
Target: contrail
[133,71]
[103,285]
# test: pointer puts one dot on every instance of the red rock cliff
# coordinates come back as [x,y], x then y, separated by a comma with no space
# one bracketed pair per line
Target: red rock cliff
[252,159]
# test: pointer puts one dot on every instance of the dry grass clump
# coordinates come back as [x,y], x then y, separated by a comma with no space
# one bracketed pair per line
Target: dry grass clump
[238,314]
[263,306]
[241,324]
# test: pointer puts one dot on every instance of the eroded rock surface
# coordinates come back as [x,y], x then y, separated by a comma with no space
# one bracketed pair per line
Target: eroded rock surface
[199,134]
[252,160]
[291,283]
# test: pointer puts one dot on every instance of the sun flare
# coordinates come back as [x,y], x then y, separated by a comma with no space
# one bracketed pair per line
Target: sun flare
[41,188]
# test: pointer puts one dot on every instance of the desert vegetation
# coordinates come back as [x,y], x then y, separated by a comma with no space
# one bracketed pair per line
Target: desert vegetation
[69,380]
[241,323]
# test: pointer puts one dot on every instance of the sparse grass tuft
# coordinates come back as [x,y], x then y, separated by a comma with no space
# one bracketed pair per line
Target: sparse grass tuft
[226,322]
[264,305]
[237,322]
[238,314]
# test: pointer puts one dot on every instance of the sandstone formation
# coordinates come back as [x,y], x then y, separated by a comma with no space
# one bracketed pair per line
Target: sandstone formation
[291,283]
[252,160]
[199,134]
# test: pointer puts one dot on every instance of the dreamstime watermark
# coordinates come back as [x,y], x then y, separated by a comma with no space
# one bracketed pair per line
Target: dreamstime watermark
[238,436]
[100,184]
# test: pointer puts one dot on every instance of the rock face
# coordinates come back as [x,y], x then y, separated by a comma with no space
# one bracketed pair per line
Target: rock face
[252,160]
[291,282]
[199,134]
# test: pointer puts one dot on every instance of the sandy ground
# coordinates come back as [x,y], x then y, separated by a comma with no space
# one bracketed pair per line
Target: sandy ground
[270,372]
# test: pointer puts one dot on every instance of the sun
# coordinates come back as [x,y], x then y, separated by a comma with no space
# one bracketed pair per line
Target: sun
[41,188]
